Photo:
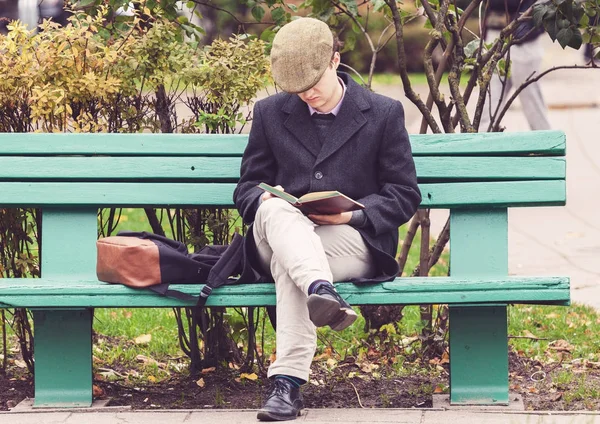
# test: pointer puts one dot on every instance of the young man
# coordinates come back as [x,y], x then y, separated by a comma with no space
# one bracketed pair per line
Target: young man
[325,132]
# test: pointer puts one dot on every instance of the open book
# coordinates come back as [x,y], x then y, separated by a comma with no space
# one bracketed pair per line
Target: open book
[318,202]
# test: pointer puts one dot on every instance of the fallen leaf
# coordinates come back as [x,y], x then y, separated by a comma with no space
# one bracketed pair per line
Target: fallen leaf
[97,391]
[438,389]
[252,377]
[200,383]
[556,397]
[151,379]
[366,367]
[21,364]
[127,314]
[207,370]
[533,390]
[561,346]
[314,382]
[331,362]
[528,333]
[145,359]
[351,374]
[143,339]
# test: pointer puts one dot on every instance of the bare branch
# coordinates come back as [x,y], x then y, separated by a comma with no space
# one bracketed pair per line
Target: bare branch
[529,81]
[410,93]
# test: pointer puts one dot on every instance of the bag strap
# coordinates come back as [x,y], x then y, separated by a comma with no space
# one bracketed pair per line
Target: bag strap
[163,289]
[223,268]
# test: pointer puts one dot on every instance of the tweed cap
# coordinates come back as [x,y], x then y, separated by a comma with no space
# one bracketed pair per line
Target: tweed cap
[300,54]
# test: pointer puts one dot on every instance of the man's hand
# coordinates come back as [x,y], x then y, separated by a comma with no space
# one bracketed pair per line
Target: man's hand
[266,195]
[337,219]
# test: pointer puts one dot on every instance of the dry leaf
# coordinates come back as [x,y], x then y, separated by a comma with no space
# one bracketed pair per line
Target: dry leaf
[252,377]
[207,370]
[127,314]
[556,397]
[146,360]
[21,364]
[151,379]
[331,362]
[438,389]
[561,346]
[366,367]
[97,391]
[528,333]
[200,383]
[143,339]
[314,382]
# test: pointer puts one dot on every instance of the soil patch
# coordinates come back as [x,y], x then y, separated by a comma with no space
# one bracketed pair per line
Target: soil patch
[575,386]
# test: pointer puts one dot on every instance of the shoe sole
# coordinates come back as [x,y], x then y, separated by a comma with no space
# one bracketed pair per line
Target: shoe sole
[323,311]
[269,416]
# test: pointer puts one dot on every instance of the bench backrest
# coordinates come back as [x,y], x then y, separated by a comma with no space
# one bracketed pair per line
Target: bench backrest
[70,176]
[137,170]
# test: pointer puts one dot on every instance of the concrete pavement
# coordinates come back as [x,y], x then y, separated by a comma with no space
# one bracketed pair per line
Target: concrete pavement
[314,416]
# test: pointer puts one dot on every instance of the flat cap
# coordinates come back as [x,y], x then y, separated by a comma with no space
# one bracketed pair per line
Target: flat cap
[300,54]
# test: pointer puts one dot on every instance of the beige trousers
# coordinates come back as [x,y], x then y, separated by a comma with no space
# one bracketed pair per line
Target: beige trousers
[298,252]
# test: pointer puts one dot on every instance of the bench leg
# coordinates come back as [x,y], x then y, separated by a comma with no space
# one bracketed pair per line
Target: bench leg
[63,358]
[478,356]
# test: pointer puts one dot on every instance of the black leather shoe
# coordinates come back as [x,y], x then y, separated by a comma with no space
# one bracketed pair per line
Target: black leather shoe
[284,402]
[327,307]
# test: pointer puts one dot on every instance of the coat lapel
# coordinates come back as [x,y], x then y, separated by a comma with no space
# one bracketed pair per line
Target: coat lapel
[300,125]
[347,122]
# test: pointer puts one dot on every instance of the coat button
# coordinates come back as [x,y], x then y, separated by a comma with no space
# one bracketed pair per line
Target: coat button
[318,175]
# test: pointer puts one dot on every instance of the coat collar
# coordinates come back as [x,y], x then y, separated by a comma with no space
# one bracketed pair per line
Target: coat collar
[347,122]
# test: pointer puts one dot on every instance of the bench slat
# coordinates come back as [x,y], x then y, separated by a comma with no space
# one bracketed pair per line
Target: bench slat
[63,294]
[437,195]
[550,143]
[100,168]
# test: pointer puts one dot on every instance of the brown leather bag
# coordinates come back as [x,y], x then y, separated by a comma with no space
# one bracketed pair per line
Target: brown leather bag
[147,260]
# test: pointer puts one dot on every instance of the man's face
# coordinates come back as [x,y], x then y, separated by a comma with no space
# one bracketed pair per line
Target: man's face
[321,95]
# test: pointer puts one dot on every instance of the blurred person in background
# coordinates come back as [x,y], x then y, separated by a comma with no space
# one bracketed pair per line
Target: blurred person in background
[31,12]
[525,59]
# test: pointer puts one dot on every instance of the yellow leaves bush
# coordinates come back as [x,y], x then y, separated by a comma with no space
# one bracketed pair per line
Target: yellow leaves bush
[85,78]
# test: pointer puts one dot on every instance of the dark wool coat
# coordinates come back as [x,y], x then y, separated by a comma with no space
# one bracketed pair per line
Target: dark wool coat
[366,155]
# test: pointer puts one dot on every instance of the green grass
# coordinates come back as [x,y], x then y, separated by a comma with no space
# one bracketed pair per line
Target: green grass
[545,327]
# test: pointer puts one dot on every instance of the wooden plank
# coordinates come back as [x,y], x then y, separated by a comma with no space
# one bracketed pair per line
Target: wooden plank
[550,143]
[101,168]
[433,290]
[493,194]
[438,195]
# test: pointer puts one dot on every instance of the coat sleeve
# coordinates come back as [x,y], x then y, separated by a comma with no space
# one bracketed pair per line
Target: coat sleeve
[399,195]
[258,165]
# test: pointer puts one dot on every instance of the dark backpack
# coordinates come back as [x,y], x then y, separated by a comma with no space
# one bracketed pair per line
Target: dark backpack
[147,260]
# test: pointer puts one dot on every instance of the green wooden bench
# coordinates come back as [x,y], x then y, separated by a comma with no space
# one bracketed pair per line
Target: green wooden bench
[69,176]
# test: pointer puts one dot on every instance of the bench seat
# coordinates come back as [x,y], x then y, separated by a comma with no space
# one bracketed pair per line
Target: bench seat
[49,293]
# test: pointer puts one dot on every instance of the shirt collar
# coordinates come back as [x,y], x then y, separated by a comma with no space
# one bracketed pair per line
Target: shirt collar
[337,108]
